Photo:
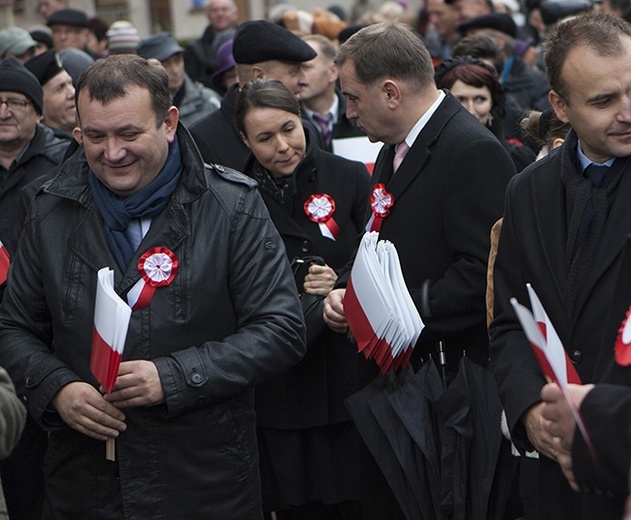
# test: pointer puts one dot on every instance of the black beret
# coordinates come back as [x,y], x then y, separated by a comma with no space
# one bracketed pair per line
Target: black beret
[15,77]
[41,36]
[497,21]
[554,10]
[261,40]
[45,66]
[160,46]
[68,16]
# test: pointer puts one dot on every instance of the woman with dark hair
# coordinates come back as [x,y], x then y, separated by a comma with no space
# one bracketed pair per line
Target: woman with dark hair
[476,85]
[309,447]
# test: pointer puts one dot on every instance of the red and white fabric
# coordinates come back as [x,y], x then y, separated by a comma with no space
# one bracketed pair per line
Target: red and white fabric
[380,203]
[5,262]
[157,268]
[320,208]
[378,307]
[111,321]
[622,348]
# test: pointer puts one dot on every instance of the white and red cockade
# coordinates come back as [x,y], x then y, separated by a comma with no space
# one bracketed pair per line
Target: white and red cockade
[380,203]
[320,208]
[157,268]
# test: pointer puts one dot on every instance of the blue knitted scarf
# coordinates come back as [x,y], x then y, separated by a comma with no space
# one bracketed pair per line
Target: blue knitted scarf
[150,201]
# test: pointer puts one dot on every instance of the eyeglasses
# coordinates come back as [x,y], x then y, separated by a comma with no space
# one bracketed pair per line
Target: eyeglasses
[15,104]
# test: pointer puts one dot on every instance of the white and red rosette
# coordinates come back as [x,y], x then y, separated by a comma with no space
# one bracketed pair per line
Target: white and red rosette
[380,203]
[622,348]
[320,208]
[157,268]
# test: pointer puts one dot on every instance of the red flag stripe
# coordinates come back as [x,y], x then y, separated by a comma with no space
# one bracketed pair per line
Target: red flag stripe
[104,361]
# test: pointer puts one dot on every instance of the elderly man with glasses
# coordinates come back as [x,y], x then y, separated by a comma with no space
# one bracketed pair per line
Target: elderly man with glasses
[28,151]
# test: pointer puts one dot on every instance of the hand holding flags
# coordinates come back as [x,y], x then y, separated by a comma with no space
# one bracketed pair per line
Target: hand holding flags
[111,320]
[550,353]
[378,307]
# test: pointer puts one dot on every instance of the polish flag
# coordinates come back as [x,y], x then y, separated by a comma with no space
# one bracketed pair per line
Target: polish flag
[554,345]
[111,320]
[550,353]
[546,345]
[4,263]
[358,149]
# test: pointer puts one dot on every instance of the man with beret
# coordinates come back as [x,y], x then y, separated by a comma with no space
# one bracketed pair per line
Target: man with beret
[28,151]
[17,42]
[70,29]
[261,49]
[59,111]
[193,100]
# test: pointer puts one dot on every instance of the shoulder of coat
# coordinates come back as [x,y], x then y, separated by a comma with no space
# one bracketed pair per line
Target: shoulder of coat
[232,175]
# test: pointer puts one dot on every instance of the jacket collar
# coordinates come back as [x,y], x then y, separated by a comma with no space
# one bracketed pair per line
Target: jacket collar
[169,229]
[420,151]
[548,192]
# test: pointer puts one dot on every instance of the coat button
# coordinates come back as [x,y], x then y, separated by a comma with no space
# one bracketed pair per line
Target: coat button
[200,401]
[305,246]
[576,356]
[196,378]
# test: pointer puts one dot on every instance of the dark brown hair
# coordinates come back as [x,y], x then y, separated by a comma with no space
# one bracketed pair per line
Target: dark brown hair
[264,93]
[108,79]
[388,50]
[602,33]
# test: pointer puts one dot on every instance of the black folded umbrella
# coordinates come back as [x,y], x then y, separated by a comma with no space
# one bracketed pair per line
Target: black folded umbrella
[408,454]
[379,445]
[469,414]
[413,404]
[437,448]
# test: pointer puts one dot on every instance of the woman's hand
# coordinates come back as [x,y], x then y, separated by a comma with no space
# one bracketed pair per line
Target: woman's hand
[319,280]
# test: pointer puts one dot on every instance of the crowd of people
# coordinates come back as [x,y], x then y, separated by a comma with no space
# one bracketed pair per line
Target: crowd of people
[227,181]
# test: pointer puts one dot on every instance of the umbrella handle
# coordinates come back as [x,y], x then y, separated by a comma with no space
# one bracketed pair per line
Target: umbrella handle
[442,362]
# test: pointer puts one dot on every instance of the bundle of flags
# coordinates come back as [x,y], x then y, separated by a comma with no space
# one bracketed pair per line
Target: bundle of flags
[379,309]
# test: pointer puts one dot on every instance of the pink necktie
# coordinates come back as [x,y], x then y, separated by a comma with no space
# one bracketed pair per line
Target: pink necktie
[402,150]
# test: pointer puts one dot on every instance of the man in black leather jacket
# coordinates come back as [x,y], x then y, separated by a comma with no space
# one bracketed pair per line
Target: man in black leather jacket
[223,318]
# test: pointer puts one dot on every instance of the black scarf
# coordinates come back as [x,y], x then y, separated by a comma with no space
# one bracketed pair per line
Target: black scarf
[281,189]
[580,251]
[147,203]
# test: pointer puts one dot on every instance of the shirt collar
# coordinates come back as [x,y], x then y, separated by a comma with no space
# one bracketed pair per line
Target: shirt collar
[585,161]
[333,110]
[420,124]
